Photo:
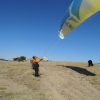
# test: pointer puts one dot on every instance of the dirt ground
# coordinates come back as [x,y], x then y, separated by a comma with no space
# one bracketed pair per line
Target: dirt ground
[58,81]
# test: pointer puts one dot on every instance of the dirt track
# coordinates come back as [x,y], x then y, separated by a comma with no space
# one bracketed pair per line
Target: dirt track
[58,81]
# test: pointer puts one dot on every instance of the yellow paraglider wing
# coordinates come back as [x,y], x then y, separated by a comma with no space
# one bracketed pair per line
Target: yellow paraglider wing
[77,13]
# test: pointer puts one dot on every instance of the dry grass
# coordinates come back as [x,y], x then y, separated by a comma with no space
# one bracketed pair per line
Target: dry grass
[58,81]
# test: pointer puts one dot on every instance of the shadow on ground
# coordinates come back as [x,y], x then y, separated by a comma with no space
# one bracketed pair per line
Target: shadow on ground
[81,70]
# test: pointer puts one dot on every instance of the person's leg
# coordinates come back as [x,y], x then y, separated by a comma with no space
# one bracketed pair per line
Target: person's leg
[91,63]
[36,72]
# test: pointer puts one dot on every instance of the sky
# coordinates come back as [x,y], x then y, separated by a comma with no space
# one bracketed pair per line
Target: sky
[31,28]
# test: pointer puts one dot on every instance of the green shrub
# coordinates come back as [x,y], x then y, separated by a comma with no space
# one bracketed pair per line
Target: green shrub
[21,58]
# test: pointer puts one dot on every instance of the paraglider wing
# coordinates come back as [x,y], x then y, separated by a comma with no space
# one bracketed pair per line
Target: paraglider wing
[77,13]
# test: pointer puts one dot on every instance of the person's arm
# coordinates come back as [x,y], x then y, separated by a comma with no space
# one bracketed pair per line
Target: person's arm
[37,61]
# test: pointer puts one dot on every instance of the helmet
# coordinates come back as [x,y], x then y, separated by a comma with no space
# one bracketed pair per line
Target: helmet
[33,57]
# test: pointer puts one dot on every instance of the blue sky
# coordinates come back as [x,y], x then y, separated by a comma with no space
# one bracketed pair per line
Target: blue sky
[31,27]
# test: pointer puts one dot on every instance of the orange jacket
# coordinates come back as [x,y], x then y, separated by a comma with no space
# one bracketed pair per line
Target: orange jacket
[36,61]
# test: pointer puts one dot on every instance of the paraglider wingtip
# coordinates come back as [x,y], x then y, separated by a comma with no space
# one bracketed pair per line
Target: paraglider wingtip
[61,36]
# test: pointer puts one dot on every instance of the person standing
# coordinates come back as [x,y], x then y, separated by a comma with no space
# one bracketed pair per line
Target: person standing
[90,63]
[36,65]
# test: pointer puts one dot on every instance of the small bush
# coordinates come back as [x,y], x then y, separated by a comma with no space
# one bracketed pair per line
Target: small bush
[21,58]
